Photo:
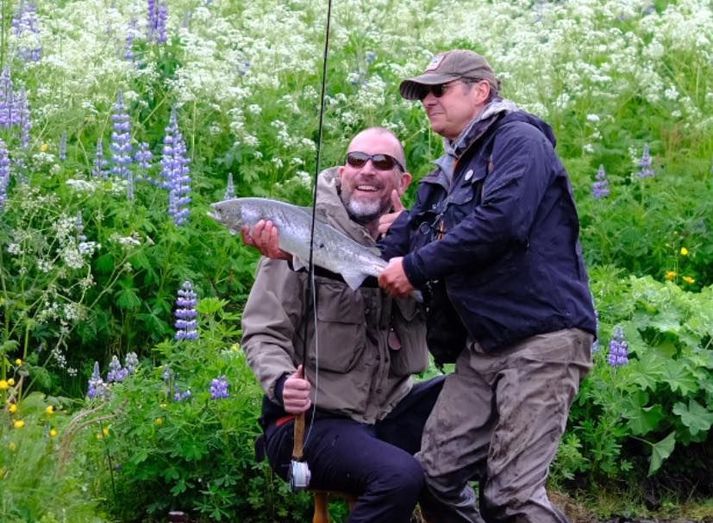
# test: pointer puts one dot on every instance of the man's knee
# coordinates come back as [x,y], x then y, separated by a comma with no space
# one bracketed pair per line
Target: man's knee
[405,479]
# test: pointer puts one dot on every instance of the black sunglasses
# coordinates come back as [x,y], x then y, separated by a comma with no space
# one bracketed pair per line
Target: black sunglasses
[383,162]
[439,90]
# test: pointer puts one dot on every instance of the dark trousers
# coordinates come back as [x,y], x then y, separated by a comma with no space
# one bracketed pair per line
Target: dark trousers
[373,462]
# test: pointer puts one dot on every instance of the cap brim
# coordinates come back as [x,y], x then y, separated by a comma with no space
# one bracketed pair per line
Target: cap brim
[412,88]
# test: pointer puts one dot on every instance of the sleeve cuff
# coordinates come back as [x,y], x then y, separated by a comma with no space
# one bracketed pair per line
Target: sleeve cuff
[417,278]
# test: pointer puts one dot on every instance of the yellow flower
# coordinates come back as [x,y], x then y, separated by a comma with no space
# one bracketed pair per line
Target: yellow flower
[671,275]
[49,409]
[163,405]
[158,421]
[688,280]
[12,408]
[53,433]
[105,431]
[4,385]
[12,446]
[18,362]
[684,251]
[10,381]
[44,147]
[18,423]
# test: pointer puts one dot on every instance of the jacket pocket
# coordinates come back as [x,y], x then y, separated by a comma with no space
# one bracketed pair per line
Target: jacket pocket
[408,328]
[341,330]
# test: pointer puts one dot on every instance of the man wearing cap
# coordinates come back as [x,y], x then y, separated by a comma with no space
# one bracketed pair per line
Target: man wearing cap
[494,237]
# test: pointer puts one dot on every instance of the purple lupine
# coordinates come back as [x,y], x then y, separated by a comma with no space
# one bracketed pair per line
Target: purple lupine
[618,348]
[179,395]
[230,189]
[26,28]
[157,20]
[120,139]
[97,387]
[116,372]
[600,188]
[7,99]
[131,362]
[23,110]
[129,47]
[101,164]
[63,146]
[185,313]
[645,169]
[4,173]
[175,172]
[143,156]
[219,388]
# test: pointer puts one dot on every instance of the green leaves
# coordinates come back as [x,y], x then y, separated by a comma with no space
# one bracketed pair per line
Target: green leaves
[694,416]
[661,451]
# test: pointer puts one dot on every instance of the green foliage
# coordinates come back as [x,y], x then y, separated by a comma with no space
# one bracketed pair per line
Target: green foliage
[662,400]
[195,450]
[37,480]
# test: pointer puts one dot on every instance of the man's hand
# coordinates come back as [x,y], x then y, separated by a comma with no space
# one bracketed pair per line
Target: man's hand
[265,238]
[387,219]
[296,392]
[394,280]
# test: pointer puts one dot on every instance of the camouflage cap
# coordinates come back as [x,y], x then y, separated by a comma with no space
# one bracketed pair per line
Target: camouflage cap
[446,67]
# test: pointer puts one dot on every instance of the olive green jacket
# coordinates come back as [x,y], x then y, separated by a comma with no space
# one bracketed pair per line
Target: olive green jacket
[367,343]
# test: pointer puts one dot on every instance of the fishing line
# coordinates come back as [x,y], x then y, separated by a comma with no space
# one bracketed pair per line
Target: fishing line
[299,471]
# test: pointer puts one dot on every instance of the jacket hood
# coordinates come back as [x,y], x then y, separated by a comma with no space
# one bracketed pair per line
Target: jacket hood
[524,116]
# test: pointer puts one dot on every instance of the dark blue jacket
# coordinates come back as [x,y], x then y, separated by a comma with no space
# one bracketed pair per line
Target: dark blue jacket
[504,239]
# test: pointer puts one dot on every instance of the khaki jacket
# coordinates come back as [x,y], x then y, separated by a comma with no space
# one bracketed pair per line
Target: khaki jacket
[368,343]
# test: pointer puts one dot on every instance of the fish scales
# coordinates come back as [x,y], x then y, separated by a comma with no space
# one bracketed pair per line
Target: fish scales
[332,249]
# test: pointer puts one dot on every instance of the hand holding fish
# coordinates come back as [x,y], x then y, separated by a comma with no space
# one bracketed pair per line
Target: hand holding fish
[265,238]
[386,220]
[393,279]
[296,393]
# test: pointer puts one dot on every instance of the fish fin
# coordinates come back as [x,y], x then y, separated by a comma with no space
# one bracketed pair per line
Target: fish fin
[354,278]
[417,295]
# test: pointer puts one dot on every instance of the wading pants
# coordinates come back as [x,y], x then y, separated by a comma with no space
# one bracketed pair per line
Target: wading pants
[499,420]
[374,462]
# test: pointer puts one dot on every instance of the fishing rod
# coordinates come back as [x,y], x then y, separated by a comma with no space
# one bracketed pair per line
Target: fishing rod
[299,473]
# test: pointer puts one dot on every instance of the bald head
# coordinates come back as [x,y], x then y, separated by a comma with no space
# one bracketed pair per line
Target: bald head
[386,138]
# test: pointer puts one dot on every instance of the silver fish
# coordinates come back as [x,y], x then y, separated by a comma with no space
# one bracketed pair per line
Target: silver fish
[333,250]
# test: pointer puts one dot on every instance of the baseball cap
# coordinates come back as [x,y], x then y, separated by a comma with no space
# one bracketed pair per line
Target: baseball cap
[449,66]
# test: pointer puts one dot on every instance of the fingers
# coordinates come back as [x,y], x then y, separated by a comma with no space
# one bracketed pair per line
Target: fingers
[296,393]
[396,204]
[387,220]
[393,279]
[265,237]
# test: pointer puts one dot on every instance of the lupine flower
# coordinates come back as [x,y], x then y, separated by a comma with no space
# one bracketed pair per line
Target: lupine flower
[131,362]
[180,395]
[101,164]
[600,188]
[230,189]
[116,372]
[4,173]
[26,28]
[175,172]
[7,100]
[143,156]
[645,170]
[129,49]
[219,388]
[23,110]
[63,146]
[167,374]
[618,348]
[97,387]
[121,139]
[156,21]
[186,323]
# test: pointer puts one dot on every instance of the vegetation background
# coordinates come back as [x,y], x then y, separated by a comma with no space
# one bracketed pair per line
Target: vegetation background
[123,391]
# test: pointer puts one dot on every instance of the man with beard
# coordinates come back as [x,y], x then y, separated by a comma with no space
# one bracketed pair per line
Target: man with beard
[363,347]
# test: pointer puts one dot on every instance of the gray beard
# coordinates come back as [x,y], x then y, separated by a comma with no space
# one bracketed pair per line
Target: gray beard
[363,212]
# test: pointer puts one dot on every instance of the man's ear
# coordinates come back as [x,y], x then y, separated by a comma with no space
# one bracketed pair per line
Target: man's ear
[405,181]
[482,91]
